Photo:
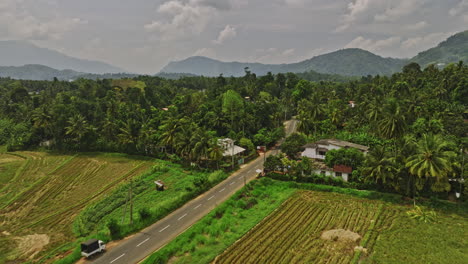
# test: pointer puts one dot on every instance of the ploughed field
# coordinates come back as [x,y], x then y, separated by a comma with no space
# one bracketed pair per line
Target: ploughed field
[42,193]
[292,233]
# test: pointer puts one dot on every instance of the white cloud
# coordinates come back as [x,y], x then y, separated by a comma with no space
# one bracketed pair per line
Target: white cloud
[460,9]
[378,11]
[185,18]
[228,32]
[206,52]
[374,45]
[418,26]
[424,42]
[274,55]
[17,22]
[288,52]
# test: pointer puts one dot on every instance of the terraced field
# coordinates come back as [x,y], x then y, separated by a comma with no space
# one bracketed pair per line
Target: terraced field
[292,233]
[41,193]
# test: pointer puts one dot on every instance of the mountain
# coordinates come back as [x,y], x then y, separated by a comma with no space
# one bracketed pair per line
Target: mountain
[348,62]
[36,72]
[41,73]
[345,62]
[19,53]
[454,49]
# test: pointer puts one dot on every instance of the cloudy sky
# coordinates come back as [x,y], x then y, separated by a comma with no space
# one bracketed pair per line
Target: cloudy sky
[144,35]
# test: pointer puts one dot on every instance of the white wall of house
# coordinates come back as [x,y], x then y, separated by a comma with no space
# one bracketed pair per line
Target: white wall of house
[314,154]
[344,176]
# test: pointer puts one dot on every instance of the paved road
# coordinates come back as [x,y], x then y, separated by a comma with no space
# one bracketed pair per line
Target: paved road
[142,244]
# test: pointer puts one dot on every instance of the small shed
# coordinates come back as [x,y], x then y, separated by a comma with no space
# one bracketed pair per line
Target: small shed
[159,185]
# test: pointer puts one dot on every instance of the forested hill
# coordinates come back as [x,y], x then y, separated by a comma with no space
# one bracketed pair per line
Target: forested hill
[38,72]
[19,53]
[346,62]
[454,49]
[350,62]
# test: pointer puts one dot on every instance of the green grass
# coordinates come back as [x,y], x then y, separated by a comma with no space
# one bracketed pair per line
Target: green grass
[387,232]
[412,241]
[224,225]
[57,194]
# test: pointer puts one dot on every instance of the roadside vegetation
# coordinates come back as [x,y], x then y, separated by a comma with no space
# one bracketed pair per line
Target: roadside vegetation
[52,200]
[287,221]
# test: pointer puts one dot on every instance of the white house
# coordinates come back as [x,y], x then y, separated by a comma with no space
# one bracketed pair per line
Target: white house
[229,148]
[318,149]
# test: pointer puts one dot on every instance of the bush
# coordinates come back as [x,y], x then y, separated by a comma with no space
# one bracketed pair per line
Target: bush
[144,213]
[114,229]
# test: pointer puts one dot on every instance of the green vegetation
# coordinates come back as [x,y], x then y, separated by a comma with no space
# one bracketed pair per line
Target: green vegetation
[224,225]
[59,198]
[291,233]
[452,50]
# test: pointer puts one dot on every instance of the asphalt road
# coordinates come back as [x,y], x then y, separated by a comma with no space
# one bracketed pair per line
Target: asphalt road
[147,241]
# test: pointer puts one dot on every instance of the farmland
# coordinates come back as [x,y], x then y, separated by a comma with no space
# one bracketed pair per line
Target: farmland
[279,222]
[42,195]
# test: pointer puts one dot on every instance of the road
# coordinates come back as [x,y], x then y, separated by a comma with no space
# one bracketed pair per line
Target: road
[147,241]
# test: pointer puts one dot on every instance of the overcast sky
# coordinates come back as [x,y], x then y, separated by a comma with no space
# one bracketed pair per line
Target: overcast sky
[144,35]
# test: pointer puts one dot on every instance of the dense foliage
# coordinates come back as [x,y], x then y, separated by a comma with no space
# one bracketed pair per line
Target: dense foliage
[413,121]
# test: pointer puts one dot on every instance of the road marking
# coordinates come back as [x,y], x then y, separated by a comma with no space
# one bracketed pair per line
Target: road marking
[197,206]
[232,183]
[164,228]
[222,189]
[143,242]
[210,198]
[182,217]
[117,258]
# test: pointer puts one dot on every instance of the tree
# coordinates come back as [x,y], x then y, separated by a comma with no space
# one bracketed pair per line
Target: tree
[433,160]
[232,105]
[293,144]
[344,156]
[77,127]
[379,167]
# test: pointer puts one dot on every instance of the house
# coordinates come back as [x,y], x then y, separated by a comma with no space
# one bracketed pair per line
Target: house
[229,148]
[319,149]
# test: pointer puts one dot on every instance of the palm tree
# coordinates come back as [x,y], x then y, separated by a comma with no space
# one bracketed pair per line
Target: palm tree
[392,123]
[379,167]
[42,119]
[78,127]
[433,160]
[201,142]
[215,152]
[170,127]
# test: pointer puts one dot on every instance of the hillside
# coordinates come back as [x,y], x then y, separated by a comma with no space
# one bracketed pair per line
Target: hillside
[454,49]
[18,53]
[36,72]
[349,62]
[346,62]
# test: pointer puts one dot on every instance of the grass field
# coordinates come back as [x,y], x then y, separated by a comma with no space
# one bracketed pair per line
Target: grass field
[48,200]
[291,233]
[41,193]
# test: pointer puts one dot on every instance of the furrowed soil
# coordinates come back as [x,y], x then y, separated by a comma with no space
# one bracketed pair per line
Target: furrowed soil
[292,234]
[42,193]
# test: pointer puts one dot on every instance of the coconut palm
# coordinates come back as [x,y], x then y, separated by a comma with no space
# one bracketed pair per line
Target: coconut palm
[379,167]
[78,127]
[433,160]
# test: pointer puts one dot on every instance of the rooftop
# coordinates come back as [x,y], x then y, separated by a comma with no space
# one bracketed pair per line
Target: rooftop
[337,142]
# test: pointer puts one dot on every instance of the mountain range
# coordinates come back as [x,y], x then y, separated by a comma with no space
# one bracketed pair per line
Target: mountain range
[19,53]
[348,62]
[23,60]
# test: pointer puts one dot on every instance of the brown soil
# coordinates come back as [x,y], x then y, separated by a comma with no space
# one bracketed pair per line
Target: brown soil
[30,245]
[340,235]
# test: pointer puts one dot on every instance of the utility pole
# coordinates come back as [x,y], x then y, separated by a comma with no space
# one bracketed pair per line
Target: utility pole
[131,202]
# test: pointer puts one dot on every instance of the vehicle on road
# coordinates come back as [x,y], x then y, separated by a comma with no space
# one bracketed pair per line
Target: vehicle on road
[92,247]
